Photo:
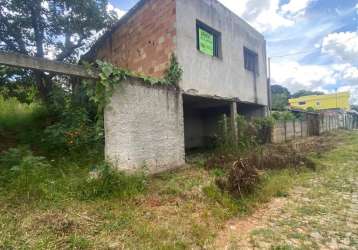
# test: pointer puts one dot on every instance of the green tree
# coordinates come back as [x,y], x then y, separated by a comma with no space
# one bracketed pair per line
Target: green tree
[301,93]
[57,29]
[280,97]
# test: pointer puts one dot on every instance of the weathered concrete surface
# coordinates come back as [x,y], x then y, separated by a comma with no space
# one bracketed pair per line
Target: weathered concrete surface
[144,128]
[226,76]
[41,64]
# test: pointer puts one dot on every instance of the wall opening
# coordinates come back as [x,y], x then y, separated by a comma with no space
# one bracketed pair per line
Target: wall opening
[201,121]
[251,110]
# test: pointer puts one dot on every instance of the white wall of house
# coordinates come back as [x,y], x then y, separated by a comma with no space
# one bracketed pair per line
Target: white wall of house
[226,76]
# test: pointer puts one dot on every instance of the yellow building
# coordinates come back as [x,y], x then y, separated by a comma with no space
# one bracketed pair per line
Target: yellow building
[322,102]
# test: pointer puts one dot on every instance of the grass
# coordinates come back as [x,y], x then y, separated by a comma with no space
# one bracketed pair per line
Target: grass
[14,114]
[65,204]
[177,210]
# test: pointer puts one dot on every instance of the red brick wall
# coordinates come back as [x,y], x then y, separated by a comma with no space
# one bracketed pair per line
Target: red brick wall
[145,42]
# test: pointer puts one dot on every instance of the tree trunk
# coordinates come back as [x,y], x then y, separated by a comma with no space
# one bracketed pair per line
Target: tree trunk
[43,82]
[44,85]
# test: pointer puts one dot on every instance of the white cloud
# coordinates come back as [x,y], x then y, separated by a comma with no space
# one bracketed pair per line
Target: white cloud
[354,93]
[269,18]
[117,11]
[296,76]
[268,15]
[239,7]
[343,45]
[295,7]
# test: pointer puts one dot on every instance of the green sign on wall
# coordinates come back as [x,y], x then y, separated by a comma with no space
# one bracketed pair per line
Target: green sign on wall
[206,42]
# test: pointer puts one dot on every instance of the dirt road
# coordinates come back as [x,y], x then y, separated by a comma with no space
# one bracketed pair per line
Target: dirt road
[321,213]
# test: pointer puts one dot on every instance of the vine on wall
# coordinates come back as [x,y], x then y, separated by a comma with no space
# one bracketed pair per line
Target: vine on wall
[101,91]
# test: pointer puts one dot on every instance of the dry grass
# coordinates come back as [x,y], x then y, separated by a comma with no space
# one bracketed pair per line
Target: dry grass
[179,210]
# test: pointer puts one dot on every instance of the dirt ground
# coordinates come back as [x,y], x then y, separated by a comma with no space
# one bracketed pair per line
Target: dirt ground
[322,213]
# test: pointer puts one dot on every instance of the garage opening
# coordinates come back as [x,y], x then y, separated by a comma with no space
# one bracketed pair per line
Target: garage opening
[251,110]
[201,121]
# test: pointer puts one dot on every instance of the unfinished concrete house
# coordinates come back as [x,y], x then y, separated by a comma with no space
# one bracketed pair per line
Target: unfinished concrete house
[224,64]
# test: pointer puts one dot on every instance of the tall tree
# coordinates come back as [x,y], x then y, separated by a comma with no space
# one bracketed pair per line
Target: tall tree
[280,97]
[55,29]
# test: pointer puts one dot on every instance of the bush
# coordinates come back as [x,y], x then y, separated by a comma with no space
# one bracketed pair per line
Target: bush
[283,116]
[106,182]
[72,132]
[246,136]
[264,129]
[241,178]
[279,157]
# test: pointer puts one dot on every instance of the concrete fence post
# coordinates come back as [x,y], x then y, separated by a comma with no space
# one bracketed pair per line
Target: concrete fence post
[330,123]
[233,120]
[301,128]
[224,126]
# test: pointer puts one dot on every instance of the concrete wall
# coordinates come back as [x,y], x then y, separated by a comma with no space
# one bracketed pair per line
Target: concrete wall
[289,130]
[144,127]
[226,76]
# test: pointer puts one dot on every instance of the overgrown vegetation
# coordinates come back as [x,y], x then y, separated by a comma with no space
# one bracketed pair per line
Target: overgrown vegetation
[56,153]
[250,134]
[174,72]
[74,200]
[241,161]
[56,190]
[34,178]
[14,113]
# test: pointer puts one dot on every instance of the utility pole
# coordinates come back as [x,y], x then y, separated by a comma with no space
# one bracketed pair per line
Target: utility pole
[269,85]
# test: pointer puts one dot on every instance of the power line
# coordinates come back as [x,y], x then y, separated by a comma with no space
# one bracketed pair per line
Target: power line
[305,52]
[293,54]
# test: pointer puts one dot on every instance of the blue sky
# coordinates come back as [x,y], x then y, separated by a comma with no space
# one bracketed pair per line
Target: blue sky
[313,43]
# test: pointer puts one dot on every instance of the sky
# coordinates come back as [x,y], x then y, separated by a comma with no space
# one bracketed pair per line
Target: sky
[313,44]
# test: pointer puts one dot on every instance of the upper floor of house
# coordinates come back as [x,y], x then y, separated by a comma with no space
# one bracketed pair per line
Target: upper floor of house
[221,55]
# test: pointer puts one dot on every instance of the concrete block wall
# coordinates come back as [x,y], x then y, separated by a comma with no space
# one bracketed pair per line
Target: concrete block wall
[145,41]
[298,128]
[289,130]
[290,133]
[278,133]
[144,128]
[286,131]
